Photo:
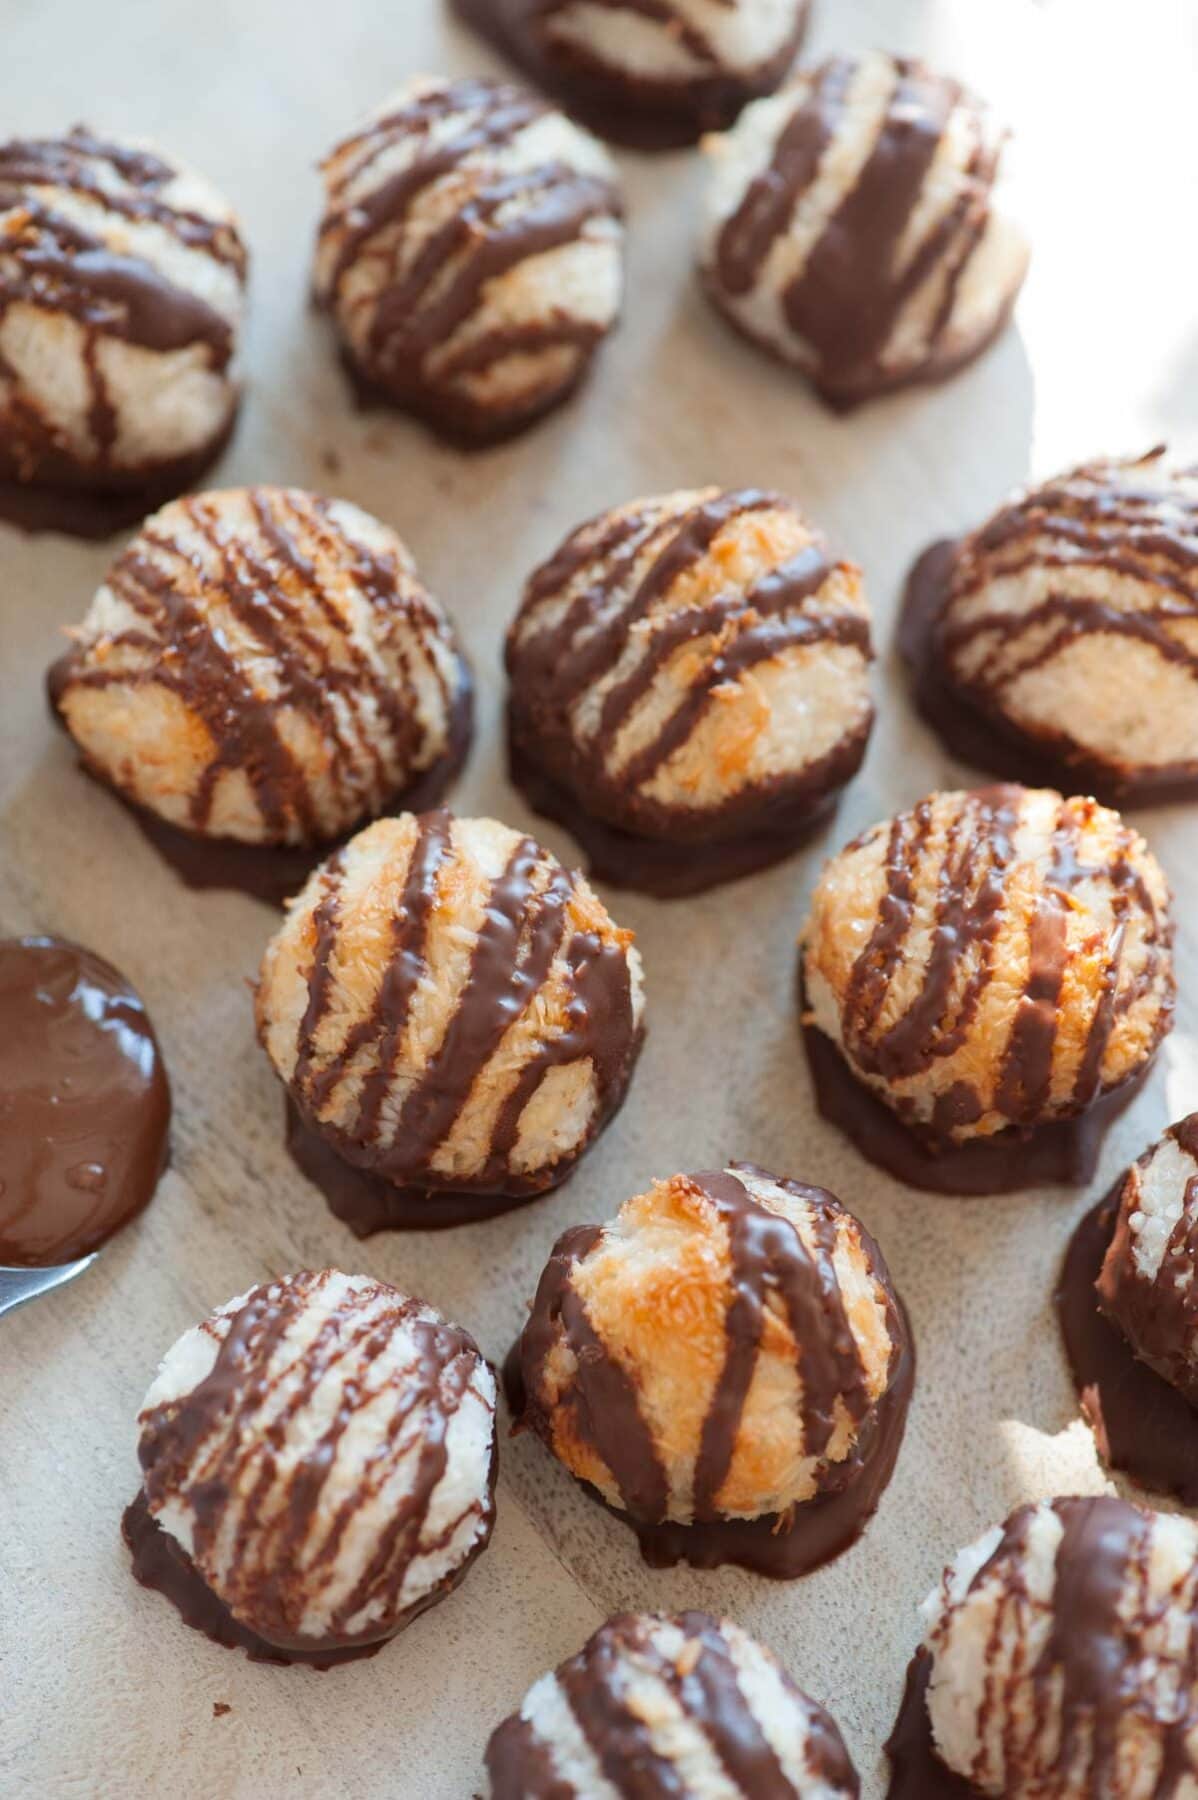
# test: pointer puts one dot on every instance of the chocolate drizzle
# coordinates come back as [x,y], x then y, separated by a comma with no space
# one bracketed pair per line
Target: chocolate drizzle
[769,1259]
[851,289]
[525,929]
[268,1540]
[280,581]
[599,1688]
[629,106]
[972,873]
[966,658]
[563,644]
[52,262]
[416,350]
[85,1105]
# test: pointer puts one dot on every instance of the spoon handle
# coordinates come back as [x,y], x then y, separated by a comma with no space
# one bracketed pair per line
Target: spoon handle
[19,1285]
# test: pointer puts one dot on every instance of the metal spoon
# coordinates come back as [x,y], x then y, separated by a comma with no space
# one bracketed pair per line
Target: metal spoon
[19,1285]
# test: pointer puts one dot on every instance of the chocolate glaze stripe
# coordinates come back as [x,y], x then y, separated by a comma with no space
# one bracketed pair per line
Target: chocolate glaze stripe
[621,1739]
[710,1693]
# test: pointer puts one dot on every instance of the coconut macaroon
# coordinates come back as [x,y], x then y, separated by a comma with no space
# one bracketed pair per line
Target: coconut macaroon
[1061,638]
[322,1452]
[726,1364]
[1060,1659]
[122,289]
[855,226]
[658,1706]
[992,967]
[264,665]
[470,254]
[654,75]
[449,1009]
[1148,1285]
[690,685]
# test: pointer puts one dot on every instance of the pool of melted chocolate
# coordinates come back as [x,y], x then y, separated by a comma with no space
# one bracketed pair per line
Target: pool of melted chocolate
[1143,1426]
[916,1771]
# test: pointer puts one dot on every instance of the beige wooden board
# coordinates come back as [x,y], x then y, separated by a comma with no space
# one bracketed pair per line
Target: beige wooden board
[102,1690]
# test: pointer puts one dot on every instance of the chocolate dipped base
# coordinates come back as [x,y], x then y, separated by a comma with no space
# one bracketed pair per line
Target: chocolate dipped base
[777,1546]
[463,424]
[275,872]
[982,736]
[645,114]
[1143,1426]
[63,498]
[1062,1152]
[674,869]
[916,1771]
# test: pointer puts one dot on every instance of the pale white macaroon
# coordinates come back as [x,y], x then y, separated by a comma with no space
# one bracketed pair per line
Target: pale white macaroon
[1147,1283]
[724,663]
[926,932]
[471,252]
[681,41]
[1073,614]
[349,1440]
[423,1063]
[667,1706]
[932,275]
[1063,1652]
[657,1288]
[265,665]
[124,293]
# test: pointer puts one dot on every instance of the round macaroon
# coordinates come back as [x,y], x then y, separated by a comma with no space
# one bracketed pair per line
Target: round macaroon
[726,1364]
[689,685]
[451,1012]
[1059,641]
[322,1451]
[470,254]
[985,978]
[1149,1281]
[264,666]
[856,228]
[1059,1656]
[122,291]
[651,75]
[659,1707]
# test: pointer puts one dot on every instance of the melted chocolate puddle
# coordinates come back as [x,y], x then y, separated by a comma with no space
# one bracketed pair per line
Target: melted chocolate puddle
[778,1546]
[1061,1152]
[1142,1425]
[85,1104]
[916,1771]
[368,1203]
[276,872]
[981,736]
[646,115]
[160,1562]
[669,870]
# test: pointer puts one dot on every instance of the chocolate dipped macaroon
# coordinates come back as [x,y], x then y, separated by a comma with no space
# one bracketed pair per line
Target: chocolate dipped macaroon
[455,1018]
[984,981]
[1058,1663]
[726,1365]
[1127,1302]
[653,74]
[470,255]
[262,671]
[856,227]
[318,1459]
[122,293]
[657,1707]
[1059,641]
[689,686]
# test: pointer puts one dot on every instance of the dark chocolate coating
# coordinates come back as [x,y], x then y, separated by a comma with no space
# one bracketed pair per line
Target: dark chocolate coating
[85,1105]
[642,112]
[632,839]
[707,1687]
[850,291]
[56,264]
[1095,516]
[768,1257]
[510,219]
[916,1771]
